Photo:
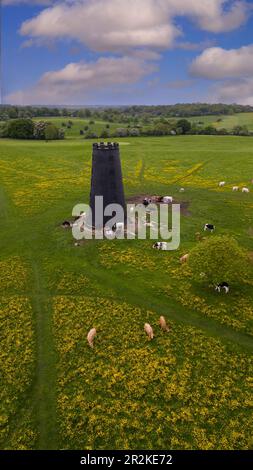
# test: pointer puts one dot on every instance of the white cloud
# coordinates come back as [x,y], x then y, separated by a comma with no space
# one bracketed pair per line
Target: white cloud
[111,25]
[232,68]
[236,91]
[76,81]
[218,63]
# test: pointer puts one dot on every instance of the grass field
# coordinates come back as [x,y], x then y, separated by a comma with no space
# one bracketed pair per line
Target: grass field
[80,124]
[190,389]
[227,122]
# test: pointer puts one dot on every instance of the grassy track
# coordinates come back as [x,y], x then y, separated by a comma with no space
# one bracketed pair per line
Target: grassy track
[39,185]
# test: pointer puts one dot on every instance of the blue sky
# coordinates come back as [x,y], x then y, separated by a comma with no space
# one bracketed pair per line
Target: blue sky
[85,52]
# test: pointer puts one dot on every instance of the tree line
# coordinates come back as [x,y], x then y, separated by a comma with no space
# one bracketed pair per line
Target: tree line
[123,114]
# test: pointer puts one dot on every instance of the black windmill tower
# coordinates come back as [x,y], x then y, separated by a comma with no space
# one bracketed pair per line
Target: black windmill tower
[106,177]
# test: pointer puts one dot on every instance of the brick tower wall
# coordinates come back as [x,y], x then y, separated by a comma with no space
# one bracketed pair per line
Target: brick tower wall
[106,177]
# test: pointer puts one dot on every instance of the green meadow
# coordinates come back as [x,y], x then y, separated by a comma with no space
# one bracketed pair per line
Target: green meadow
[98,126]
[190,388]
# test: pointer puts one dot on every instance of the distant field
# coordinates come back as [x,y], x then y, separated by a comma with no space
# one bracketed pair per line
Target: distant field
[228,122]
[242,119]
[80,124]
[190,389]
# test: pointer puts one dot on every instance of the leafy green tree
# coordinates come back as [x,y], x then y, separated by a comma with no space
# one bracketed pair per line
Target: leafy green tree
[241,130]
[219,259]
[184,125]
[20,129]
[51,132]
[104,134]
[3,130]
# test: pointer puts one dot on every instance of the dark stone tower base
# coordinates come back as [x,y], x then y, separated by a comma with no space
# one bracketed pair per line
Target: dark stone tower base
[106,179]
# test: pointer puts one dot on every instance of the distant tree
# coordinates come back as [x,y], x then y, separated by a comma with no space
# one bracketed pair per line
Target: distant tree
[222,131]
[3,130]
[134,132]
[87,113]
[240,130]
[209,130]
[121,132]
[184,125]
[219,259]
[104,134]
[51,132]
[91,135]
[61,134]
[20,129]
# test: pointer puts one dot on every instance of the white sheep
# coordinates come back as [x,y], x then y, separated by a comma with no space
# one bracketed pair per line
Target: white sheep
[235,188]
[91,336]
[163,324]
[245,190]
[160,246]
[222,184]
[167,199]
[149,331]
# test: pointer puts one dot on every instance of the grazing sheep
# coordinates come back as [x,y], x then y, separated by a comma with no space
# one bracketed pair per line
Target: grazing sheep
[160,246]
[184,258]
[91,336]
[235,188]
[149,330]
[167,199]
[222,184]
[223,285]
[181,190]
[163,324]
[245,190]
[209,227]
[66,224]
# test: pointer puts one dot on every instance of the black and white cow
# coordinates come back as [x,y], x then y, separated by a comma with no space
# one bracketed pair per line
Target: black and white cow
[223,285]
[209,227]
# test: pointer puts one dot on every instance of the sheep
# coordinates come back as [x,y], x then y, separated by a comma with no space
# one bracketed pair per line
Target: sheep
[222,184]
[90,337]
[167,199]
[163,324]
[181,190]
[209,227]
[223,285]
[149,331]
[160,246]
[245,190]
[184,258]
[235,188]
